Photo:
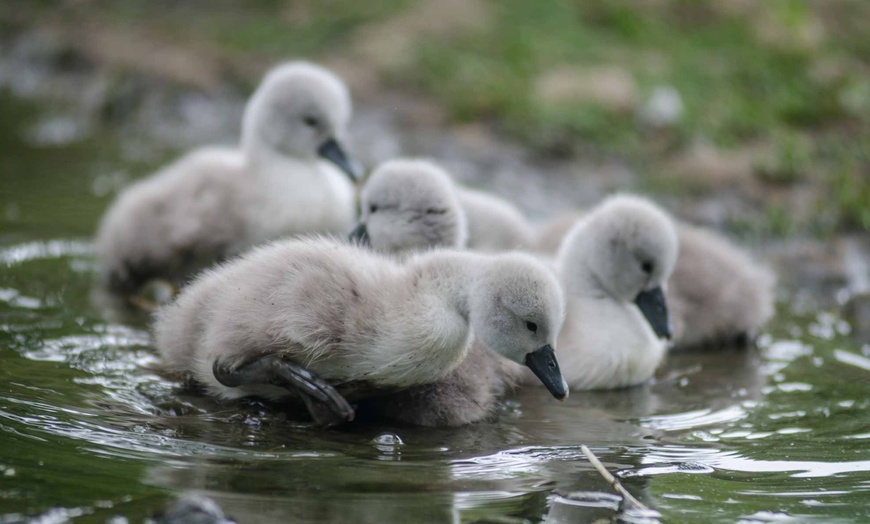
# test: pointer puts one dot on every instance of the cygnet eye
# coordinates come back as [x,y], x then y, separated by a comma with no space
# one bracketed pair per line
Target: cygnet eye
[310,121]
[531,326]
[647,266]
[434,211]
[373,208]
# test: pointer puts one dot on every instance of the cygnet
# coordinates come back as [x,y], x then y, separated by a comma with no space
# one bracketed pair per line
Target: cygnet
[295,316]
[718,294]
[613,266]
[288,177]
[494,224]
[413,204]
[409,206]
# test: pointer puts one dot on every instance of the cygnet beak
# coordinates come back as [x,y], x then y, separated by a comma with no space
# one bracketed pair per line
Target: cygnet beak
[360,235]
[654,307]
[544,365]
[332,151]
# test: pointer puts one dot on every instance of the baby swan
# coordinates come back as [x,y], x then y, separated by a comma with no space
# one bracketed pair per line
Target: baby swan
[494,224]
[216,202]
[412,204]
[719,296]
[613,265]
[351,316]
[408,206]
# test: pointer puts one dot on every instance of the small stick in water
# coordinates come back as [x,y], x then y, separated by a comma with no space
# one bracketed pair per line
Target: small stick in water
[142,303]
[156,293]
[627,498]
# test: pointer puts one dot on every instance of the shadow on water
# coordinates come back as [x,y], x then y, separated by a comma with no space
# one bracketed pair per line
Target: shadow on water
[89,428]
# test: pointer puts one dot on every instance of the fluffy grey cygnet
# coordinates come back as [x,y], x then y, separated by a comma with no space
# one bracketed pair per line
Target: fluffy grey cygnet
[717,294]
[411,204]
[613,265]
[288,177]
[287,317]
[494,224]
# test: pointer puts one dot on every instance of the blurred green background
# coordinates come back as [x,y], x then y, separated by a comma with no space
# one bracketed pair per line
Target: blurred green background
[771,97]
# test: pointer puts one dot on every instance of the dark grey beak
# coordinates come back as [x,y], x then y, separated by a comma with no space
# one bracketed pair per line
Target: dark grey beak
[360,235]
[544,365]
[654,307]
[332,151]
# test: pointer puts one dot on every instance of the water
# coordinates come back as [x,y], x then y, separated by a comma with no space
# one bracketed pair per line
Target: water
[90,431]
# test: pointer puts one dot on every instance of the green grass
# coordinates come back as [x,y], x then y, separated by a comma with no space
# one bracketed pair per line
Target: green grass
[788,163]
[732,89]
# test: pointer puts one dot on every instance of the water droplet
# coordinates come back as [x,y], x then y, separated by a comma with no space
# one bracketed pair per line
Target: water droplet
[388,439]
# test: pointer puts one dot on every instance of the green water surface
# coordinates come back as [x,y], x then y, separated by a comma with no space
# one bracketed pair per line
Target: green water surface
[90,432]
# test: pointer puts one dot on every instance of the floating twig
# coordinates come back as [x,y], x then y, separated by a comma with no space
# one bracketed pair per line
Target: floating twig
[143,303]
[628,500]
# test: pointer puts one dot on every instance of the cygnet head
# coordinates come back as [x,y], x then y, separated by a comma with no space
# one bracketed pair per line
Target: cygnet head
[300,110]
[626,248]
[517,308]
[410,205]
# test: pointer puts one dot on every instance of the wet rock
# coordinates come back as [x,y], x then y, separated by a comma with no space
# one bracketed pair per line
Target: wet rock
[610,87]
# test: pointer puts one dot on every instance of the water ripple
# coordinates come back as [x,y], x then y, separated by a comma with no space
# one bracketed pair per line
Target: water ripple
[694,419]
[17,254]
[734,461]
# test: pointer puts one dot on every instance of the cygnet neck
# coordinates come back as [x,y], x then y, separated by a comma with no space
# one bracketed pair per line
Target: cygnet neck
[451,274]
[264,159]
[576,274]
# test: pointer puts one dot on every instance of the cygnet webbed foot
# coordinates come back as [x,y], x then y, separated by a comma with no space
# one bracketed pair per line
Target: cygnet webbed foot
[326,406]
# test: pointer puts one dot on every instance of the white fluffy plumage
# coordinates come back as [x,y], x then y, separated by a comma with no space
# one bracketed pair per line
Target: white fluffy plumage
[215,202]
[349,314]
